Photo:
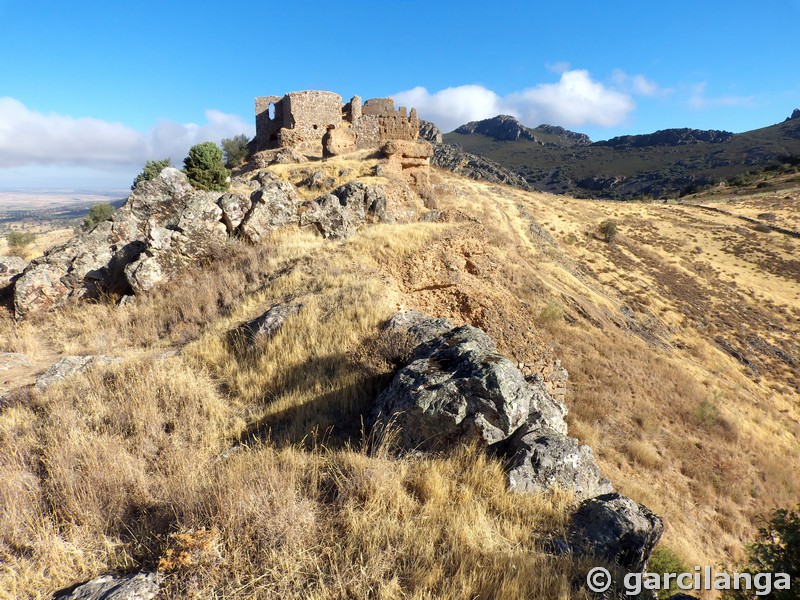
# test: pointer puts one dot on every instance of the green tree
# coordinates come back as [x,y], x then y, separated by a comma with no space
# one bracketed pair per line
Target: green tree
[204,167]
[776,550]
[235,150]
[152,169]
[609,230]
[97,214]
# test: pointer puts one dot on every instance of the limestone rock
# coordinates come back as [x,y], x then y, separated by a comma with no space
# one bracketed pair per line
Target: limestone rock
[267,324]
[10,267]
[234,209]
[164,216]
[541,459]
[11,360]
[363,198]
[71,365]
[616,529]
[137,586]
[458,389]
[407,149]
[317,181]
[338,140]
[274,205]
[469,165]
[332,218]
[286,156]
[429,132]
[416,325]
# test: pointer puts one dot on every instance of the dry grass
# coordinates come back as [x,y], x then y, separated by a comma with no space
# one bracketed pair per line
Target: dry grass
[242,472]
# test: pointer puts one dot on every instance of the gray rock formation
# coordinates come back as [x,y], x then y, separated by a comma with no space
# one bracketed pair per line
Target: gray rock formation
[10,267]
[501,127]
[416,325]
[137,586]
[337,215]
[795,114]
[541,459]
[430,132]
[11,360]
[616,529]
[453,158]
[458,389]
[234,209]
[273,205]
[267,324]
[71,365]
[317,181]
[164,225]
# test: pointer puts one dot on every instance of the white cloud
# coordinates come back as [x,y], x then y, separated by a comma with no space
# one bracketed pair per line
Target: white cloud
[699,100]
[574,101]
[638,84]
[28,137]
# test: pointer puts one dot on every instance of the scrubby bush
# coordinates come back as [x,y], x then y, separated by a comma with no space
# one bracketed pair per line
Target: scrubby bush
[608,229]
[205,169]
[665,560]
[18,240]
[776,550]
[235,150]
[552,313]
[152,169]
[97,214]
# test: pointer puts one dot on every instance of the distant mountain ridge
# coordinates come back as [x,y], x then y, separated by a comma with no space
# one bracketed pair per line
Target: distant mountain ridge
[666,163]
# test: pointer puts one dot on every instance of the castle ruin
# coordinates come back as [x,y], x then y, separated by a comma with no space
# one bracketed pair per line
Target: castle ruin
[300,120]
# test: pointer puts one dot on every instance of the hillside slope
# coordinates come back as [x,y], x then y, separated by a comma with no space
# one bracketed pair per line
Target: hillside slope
[666,163]
[680,338]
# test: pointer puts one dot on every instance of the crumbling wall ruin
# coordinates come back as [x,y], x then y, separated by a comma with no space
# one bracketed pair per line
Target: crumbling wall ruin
[299,120]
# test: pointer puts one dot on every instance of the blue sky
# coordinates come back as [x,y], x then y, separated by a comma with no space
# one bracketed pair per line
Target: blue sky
[90,90]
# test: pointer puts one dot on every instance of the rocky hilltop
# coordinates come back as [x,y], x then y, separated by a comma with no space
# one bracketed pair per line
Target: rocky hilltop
[665,164]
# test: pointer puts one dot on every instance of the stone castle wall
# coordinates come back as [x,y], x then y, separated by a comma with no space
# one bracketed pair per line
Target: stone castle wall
[300,120]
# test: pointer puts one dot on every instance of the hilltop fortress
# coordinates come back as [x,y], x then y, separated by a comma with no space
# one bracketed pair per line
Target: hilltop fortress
[318,123]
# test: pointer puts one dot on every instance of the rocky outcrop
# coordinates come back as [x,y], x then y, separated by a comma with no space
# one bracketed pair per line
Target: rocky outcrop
[338,215]
[540,459]
[795,115]
[430,132]
[458,389]
[453,158]
[615,529]
[417,326]
[69,366]
[10,267]
[565,136]
[137,586]
[267,324]
[669,137]
[501,128]
[273,205]
[164,225]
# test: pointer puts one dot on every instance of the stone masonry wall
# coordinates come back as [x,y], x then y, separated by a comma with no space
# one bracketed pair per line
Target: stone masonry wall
[301,119]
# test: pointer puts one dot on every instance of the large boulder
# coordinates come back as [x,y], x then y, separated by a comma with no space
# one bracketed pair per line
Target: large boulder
[615,529]
[540,459]
[268,323]
[10,267]
[369,199]
[164,216]
[273,205]
[137,586]
[234,209]
[417,326]
[458,389]
[336,141]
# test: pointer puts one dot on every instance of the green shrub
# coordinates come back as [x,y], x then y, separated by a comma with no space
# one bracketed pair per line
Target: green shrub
[18,240]
[664,560]
[97,214]
[152,169]
[609,230]
[204,167]
[235,150]
[776,550]
[552,313]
